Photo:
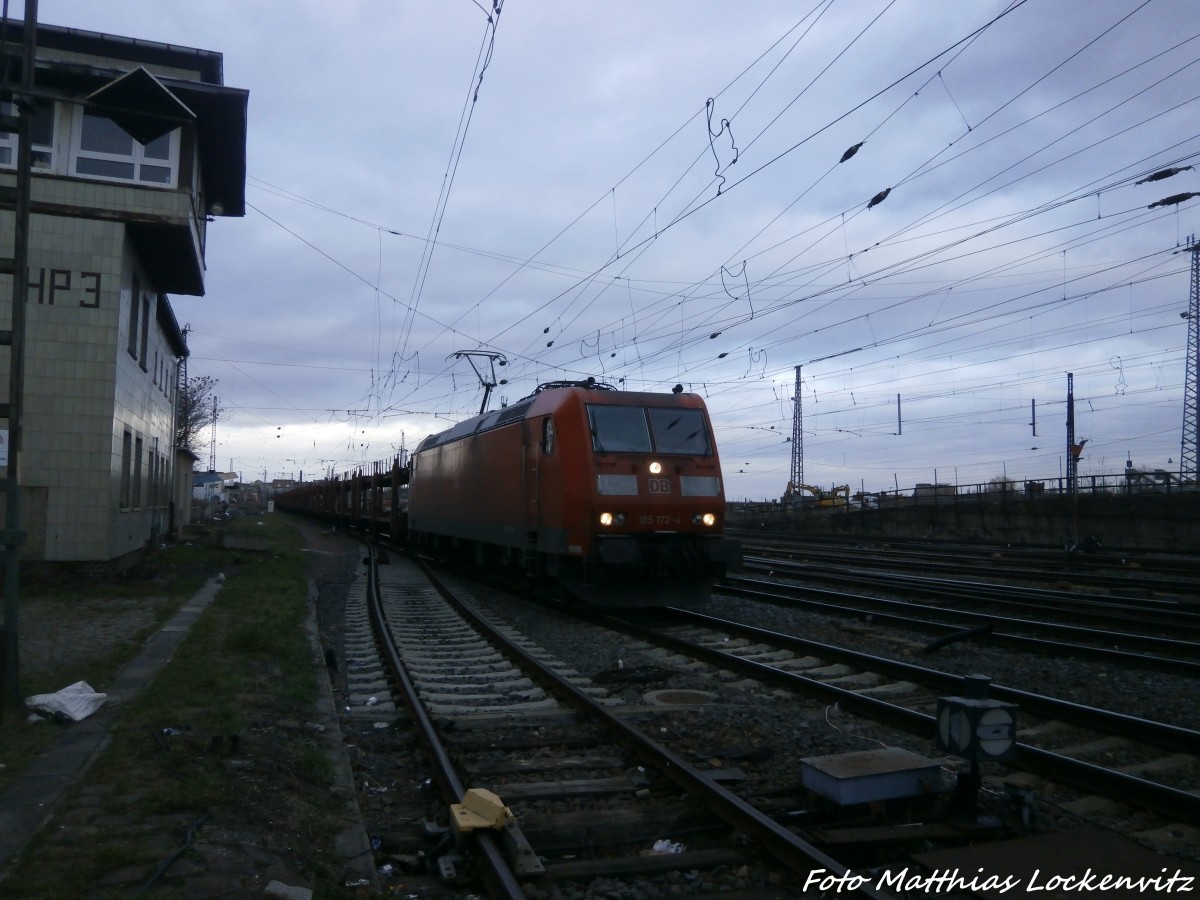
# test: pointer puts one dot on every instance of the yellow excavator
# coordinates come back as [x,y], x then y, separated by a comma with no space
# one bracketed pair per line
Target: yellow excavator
[835,496]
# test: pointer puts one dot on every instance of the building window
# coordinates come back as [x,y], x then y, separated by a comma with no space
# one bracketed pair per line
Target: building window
[162,481]
[135,303]
[137,474]
[126,468]
[103,149]
[152,480]
[41,126]
[145,330]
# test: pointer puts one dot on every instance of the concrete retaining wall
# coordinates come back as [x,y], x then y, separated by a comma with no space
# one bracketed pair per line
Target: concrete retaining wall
[1146,522]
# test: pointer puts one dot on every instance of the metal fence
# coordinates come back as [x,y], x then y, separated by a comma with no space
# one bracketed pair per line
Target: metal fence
[996,491]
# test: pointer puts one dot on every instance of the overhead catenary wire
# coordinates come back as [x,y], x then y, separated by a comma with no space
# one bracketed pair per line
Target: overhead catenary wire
[659,333]
[486,50]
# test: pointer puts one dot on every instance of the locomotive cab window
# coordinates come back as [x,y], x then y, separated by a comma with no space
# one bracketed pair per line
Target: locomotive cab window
[680,431]
[547,436]
[619,429]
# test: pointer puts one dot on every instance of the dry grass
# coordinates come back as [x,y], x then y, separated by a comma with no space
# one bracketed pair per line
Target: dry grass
[216,729]
[65,624]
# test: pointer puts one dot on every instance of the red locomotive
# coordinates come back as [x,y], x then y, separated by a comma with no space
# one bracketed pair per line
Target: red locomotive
[616,495]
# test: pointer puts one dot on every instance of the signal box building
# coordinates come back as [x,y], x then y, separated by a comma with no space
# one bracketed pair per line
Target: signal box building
[137,147]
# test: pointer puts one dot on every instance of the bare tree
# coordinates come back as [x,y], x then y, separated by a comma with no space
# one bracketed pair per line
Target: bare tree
[1001,484]
[196,412]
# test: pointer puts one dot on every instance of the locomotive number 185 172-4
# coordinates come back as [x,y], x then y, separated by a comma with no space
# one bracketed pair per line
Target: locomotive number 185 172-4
[659,520]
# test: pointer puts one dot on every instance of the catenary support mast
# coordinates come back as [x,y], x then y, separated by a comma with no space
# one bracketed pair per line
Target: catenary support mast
[797,435]
[1072,455]
[1188,470]
[212,441]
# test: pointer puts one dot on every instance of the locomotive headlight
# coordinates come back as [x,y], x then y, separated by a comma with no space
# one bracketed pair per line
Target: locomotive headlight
[655,468]
[606,519]
[706,519]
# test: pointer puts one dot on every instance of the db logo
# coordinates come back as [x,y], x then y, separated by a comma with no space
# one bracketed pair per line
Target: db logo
[660,486]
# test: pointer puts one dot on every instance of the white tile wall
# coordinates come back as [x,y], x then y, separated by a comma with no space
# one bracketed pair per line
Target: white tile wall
[83,389]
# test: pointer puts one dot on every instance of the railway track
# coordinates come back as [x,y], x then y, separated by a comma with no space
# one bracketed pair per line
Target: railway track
[1132,575]
[1156,615]
[1168,654]
[1133,769]
[1058,741]
[589,804]
[438,688]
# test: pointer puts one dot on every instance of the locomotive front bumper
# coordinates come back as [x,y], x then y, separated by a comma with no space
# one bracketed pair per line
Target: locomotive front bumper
[682,551]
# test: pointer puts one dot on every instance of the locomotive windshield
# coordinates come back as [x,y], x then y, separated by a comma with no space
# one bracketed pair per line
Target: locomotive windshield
[634,429]
[679,431]
[619,429]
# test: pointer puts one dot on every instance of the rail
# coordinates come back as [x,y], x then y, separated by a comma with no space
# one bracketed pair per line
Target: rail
[500,879]
[781,843]
[1083,775]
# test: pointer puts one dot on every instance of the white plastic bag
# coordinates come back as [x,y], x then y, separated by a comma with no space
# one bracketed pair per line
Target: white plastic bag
[76,701]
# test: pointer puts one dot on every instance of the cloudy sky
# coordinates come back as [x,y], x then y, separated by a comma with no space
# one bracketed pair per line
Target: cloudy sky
[653,193]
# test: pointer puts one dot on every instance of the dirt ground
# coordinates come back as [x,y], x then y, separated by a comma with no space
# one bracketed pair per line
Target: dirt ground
[134,836]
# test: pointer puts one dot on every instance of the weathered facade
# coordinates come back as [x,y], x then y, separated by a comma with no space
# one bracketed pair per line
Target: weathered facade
[137,147]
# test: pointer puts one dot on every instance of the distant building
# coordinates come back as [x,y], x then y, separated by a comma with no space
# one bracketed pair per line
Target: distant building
[925,491]
[213,486]
[137,146]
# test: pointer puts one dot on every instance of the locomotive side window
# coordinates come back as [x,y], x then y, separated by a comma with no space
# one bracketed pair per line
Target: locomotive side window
[680,431]
[619,429]
[547,436]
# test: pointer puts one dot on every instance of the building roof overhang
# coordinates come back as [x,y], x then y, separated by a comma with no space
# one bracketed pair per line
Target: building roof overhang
[221,129]
[207,64]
